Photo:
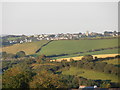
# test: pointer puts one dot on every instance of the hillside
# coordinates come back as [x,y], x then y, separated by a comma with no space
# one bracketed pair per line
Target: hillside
[90,74]
[70,47]
[76,46]
[113,61]
[29,48]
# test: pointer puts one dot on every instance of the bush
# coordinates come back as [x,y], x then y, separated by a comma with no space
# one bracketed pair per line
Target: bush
[20,54]
[17,77]
[87,57]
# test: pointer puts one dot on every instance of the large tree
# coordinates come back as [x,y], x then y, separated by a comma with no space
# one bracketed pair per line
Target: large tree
[20,54]
[44,79]
[17,77]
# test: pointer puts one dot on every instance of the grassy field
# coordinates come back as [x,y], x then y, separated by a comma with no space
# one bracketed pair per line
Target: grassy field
[111,51]
[113,61]
[65,47]
[90,74]
[13,38]
[73,46]
[29,48]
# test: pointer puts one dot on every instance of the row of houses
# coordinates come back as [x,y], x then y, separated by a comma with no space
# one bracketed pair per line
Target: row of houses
[22,40]
[61,36]
[67,36]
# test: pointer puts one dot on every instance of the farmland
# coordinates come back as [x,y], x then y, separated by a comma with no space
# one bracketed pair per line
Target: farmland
[98,56]
[90,74]
[74,46]
[28,48]
[112,51]
[14,38]
[113,61]
[36,69]
[69,47]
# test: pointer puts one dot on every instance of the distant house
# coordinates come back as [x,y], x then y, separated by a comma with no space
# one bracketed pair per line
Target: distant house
[88,86]
[108,33]
[21,41]
[10,42]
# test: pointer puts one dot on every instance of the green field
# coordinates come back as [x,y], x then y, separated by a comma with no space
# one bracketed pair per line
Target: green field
[13,38]
[90,74]
[65,47]
[73,46]
[113,61]
[111,51]
[29,48]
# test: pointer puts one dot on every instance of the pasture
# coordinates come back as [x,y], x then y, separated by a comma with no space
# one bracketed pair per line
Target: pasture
[28,48]
[90,74]
[113,61]
[70,47]
[74,46]
[111,51]
[13,38]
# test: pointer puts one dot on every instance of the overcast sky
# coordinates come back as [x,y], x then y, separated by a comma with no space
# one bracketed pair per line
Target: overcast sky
[58,17]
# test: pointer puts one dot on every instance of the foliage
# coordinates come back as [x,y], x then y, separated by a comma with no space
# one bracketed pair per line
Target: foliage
[97,66]
[117,56]
[6,55]
[70,80]
[41,59]
[44,79]
[87,57]
[46,74]
[20,54]
[17,77]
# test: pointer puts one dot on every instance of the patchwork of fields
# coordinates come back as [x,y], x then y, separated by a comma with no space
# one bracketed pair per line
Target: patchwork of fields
[69,47]
[72,49]
[90,74]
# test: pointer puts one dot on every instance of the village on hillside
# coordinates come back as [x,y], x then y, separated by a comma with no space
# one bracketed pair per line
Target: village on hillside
[13,39]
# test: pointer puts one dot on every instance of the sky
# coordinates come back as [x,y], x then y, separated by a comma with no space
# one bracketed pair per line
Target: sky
[58,17]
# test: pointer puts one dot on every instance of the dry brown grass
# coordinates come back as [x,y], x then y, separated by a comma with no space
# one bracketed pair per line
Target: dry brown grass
[28,48]
[80,57]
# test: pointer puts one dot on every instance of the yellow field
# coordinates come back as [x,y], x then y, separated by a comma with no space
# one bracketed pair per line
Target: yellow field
[28,48]
[80,57]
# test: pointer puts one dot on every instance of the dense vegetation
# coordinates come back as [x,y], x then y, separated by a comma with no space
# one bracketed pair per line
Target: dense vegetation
[39,72]
[87,62]
[94,69]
